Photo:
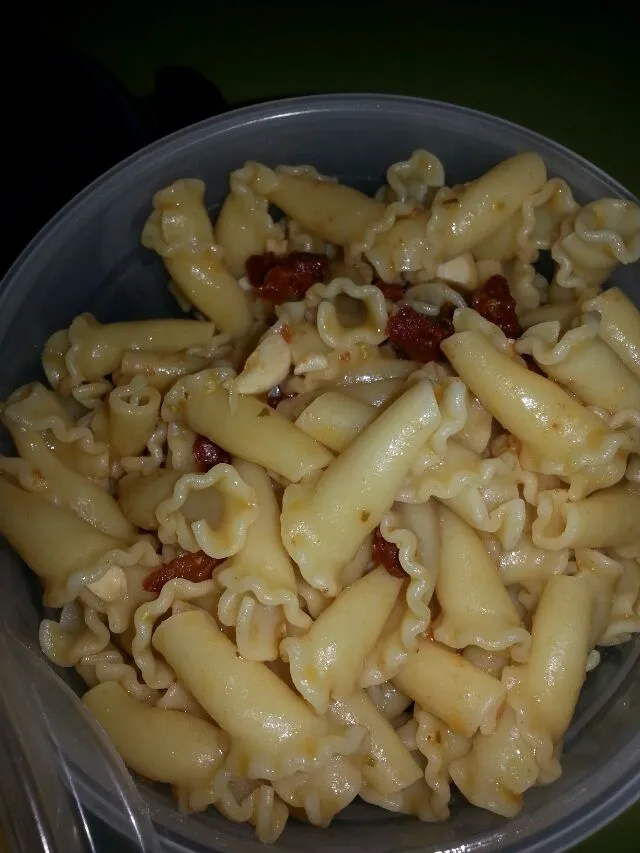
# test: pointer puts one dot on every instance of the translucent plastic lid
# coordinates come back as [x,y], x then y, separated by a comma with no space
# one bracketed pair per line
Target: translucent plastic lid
[40,784]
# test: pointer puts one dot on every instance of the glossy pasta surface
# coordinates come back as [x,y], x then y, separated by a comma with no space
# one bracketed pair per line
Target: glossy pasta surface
[357,524]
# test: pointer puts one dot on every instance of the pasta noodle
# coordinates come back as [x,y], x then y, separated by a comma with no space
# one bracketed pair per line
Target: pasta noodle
[359,524]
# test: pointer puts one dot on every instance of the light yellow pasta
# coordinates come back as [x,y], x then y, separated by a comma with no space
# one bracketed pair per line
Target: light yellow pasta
[476,608]
[335,419]
[348,313]
[324,522]
[163,745]
[606,519]
[250,429]
[559,435]
[584,364]
[140,494]
[273,731]
[322,792]
[160,369]
[440,746]
[619,325]
[133,416]
[326,662]
[445,684]
[180,231]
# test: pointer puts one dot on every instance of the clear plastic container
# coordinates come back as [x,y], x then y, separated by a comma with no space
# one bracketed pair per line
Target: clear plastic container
[62,787]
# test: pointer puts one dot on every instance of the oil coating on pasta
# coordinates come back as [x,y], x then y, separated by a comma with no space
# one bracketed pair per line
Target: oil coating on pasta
[357,525]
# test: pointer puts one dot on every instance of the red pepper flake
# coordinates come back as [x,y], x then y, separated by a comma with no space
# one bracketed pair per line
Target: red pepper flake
[392,292]
[207,454]
[283,278]
[192,567]
[345,356]
[418,336]
[386,554]
[276,395]
[496,304]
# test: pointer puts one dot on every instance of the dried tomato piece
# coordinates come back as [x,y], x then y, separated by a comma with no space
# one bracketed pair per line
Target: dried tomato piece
[418,336]
[207,454]
[192,567]
[283,278]
[393,292]
[496,304]
[386,554]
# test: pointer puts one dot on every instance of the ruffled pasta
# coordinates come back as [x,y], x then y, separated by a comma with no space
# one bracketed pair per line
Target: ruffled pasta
[348,313]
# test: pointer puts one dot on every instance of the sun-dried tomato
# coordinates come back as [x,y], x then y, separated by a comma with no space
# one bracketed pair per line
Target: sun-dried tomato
[284,278]
[496,304]
[417,336]
[393,292]
[386,554]
[207,454]
[192,567]
[532,365]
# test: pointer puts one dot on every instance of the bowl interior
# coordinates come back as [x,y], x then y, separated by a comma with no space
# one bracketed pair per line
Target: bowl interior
[89,259]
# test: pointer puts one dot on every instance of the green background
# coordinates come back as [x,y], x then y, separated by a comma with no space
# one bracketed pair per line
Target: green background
[570,74]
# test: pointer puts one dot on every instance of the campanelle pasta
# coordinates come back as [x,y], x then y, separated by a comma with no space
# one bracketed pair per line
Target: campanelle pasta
[358,524]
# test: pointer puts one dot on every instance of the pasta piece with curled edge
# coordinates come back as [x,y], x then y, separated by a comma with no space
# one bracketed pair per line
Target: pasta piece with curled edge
[156,673]
[624,616]
[250,430]
[179,230]
[35,407]
[396,243]
[211,512]
[176,698]
[322,792]
[584,364]
[140,494]
[606,519]
[440,746]
[618,326]
[388,700]
[273,732]
[133,416]
[388,766]
[413,532]
[594,241]
[68,552]
[267,366]
[324,666]
[260,595]
[522,751]
[95,350]
[241,801]
[79,632]
[41,472]
[529,566]
[163,745]
[244,226]
[348,313]
[475,606]
[463,217]
[445,684]
[559,435]
[324,521]
[108,665]
[602,574]
[411,180]
[414,800]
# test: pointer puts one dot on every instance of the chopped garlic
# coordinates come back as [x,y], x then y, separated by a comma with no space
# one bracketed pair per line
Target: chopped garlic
[267,366]
[461,270]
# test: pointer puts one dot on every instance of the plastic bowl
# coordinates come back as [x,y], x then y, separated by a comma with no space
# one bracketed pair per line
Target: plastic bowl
[89,259]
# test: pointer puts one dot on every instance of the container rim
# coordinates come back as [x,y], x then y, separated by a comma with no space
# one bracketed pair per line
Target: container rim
[591,806]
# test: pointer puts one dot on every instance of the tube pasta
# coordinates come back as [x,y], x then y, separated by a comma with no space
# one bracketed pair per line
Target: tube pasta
[445,684]
[273,732]
[440,746]
[411,180]
[335,419]
[79,632]
[96,350]
[324,663]
[41,472]
[388,700]
[624,614]
[179,230]
[133,416]
[166,746]
[259,581]
[161,370]
[108,666]
[324,522]
[140,494]
[559,435]
[606,519]
[476,608]
[584,364]
[250,430]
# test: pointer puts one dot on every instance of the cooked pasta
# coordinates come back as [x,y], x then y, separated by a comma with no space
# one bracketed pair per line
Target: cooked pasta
[359,523]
